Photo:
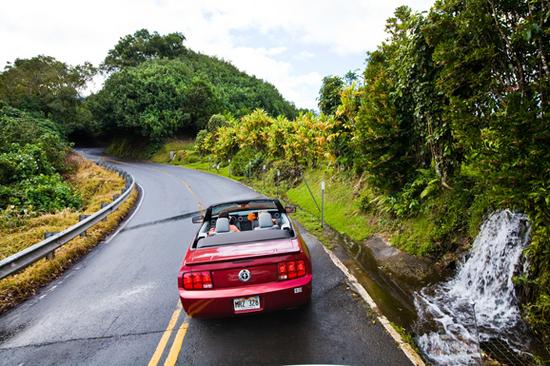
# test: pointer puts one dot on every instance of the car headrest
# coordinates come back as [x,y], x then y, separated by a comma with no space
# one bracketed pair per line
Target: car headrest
[222,225]
[264,220]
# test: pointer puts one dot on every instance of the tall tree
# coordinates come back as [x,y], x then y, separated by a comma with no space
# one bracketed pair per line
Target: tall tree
[133,49]
[329,94]
[45,85]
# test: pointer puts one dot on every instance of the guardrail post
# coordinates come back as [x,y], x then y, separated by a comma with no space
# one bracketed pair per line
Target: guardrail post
[103,205]
[80,218]
[50,255]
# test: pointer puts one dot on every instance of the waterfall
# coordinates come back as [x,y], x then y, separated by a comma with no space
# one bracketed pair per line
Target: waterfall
[479,302]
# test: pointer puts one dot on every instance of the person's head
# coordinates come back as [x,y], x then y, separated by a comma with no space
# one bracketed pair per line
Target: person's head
[251,216]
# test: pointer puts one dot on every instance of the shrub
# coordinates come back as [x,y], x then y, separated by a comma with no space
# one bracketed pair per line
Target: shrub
[245,161]
[40,193]
[215,122]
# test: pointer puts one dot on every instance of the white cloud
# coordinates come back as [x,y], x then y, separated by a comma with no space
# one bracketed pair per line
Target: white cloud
[78,31]
[304,55]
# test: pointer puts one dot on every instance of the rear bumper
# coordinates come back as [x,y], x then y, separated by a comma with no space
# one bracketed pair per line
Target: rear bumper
[273,296]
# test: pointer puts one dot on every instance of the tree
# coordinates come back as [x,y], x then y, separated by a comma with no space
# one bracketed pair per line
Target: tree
[47,86]
[131,50]
[201,102]
[329,94]
[493,56]
[157,88]
[147,101]
[351,77]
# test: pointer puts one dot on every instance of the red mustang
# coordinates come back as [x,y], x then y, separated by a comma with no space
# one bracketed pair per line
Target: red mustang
[247,257]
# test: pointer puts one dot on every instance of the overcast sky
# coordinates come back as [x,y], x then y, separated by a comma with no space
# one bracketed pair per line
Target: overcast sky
[291,44]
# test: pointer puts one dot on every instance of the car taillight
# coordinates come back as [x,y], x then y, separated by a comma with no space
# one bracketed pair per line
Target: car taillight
[291,269]
[197,280]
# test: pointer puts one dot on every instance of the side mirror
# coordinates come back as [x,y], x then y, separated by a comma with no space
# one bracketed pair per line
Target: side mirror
[290,209]
[197,219]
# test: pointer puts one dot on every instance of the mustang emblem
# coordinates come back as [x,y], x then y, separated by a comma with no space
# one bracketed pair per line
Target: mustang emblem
[244,275]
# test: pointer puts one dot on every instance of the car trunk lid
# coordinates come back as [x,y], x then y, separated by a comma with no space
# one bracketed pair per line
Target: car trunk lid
[242,251]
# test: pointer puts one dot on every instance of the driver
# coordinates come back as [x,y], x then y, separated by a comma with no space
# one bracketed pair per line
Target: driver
[232,227]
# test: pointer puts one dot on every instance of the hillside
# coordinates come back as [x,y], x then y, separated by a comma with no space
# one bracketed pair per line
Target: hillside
[158,88]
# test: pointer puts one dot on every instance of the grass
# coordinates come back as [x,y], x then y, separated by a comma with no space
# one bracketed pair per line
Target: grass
[182,149]
[342,210]
[96,185]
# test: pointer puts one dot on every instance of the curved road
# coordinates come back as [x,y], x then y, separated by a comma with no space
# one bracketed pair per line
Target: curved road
[119,304]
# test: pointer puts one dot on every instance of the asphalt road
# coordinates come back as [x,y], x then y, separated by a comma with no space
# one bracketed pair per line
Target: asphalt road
[119,304]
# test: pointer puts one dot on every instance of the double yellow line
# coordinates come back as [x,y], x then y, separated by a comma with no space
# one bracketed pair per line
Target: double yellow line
[175,349]
[177,344]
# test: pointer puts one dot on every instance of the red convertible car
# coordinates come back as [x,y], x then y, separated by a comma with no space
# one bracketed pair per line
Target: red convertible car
[247,257]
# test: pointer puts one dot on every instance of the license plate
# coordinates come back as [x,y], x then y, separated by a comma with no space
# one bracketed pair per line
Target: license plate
[246,303]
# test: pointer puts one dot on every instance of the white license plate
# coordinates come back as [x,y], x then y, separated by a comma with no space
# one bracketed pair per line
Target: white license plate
[246,303]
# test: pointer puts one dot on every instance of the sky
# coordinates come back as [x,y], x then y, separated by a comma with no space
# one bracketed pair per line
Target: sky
[291,44]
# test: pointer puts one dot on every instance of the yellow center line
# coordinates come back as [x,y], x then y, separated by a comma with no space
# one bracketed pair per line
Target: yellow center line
[165,337]
[199,202]
[173,355]
[176,346]
[197,198]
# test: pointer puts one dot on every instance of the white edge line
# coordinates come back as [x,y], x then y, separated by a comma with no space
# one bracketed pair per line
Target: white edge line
[127,220]
[405,347]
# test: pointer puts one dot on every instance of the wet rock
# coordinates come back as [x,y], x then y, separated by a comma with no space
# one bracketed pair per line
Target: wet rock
[414,271]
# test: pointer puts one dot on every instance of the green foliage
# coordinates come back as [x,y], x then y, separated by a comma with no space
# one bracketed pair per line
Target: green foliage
[408,201]
[32,154]
[202,143]
[36,136]
[383,134]
[23,162]
[158,88]
[48,87]
[216,121]
[147,100]
[302,142]
[132,147]
[40,193]
[329,94]
[245,162]
[133,49]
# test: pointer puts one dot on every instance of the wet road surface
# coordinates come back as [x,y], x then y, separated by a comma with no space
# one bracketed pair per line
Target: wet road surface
[119,304]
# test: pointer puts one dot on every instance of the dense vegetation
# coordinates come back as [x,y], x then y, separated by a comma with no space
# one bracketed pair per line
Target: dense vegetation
[32,159]
[50,88]
[160,88]
[449,122]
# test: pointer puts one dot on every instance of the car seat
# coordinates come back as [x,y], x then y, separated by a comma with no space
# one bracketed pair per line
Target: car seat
[265,221]
[222,225]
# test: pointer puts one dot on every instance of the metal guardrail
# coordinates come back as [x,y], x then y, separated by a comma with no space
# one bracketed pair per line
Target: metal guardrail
[46,247]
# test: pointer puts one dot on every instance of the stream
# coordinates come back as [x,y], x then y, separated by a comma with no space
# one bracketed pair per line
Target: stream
[472,312]
[478,304]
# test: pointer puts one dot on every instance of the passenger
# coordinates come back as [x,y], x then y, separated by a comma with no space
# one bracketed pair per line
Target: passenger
[253,219]
[232,227]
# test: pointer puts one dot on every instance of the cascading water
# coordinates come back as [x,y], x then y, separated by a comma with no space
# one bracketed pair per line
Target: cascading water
[479,302]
